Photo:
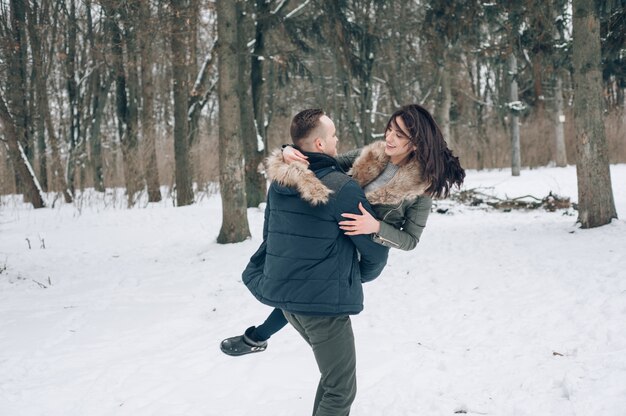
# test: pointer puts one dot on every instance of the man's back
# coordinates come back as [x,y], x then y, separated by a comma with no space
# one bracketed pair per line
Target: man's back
[306,264]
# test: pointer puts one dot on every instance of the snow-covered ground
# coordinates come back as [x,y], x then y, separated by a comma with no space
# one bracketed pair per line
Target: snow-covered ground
[122,312]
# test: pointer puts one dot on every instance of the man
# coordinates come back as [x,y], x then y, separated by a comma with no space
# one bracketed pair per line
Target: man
[307,266]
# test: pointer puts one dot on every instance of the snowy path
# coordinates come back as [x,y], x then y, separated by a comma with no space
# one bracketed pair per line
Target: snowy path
[517,313]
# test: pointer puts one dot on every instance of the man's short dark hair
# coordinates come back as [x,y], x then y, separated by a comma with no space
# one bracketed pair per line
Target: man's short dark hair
[303,123]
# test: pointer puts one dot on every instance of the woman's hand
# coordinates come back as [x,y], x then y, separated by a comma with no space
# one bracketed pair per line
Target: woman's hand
[291,154]
[359,224]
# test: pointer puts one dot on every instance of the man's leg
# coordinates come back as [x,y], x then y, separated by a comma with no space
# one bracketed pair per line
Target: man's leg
[332,341]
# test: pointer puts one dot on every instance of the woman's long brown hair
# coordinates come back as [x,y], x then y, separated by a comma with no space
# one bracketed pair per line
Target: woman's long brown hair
[439,166]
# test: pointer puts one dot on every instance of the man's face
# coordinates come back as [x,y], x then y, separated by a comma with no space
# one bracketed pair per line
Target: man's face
[328,136]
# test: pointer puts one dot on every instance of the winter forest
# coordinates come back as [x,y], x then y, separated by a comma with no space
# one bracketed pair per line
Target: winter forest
[109,94]
[133,141]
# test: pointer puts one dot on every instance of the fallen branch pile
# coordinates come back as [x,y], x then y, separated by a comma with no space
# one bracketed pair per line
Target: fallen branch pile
[476,197]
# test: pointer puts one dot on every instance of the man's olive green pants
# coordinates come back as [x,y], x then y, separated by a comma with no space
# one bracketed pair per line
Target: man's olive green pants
[332,341]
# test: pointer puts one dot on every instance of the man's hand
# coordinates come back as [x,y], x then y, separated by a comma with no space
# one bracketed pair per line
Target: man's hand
[291,154]
[359,224]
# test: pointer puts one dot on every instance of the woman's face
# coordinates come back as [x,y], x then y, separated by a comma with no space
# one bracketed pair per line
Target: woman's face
[398,145]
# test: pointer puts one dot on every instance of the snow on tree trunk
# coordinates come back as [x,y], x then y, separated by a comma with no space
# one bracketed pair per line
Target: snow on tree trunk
[596,206]
[255,181]
[36,187]
[21,164]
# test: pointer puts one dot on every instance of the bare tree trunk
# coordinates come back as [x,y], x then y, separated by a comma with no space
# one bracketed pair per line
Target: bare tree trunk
[346,85]
[253,146]
[482,138]
[100,85]
[514,103]
[596,205]
[148,126]
[57,166]
[17,94]
[256,66]
[445,99]
[72,95]
[40,130]
[22,166]
[180,85]
[194,95]
[270,92]
[341,48]
[125,100]
[133,163]
[232,175]
[100,94]
[561,155]
[58,180]
[365,99]
[368,51]
[537,68]
[39,76]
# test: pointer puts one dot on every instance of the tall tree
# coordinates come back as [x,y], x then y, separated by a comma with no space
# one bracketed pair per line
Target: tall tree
[559,61]
[232,176]
[122,31]
[353,31]
[596,206]
[35,23]
[515,107]
[539,15]
[180,85]
[133,161]
[448,27]
[23,168]
[613,35]
[559,119]
[100,85]
[253,145]
[16,59]
[72,88]
[58,169]
[146,35]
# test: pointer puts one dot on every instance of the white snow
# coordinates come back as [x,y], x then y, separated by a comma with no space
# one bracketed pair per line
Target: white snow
[122,313]
[296,10]
[516,106]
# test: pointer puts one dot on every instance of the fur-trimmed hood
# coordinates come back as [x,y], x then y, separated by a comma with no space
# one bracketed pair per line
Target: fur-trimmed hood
[297,175]
[407,183]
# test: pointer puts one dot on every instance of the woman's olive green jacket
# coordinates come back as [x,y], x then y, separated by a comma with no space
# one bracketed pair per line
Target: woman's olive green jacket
[400,205]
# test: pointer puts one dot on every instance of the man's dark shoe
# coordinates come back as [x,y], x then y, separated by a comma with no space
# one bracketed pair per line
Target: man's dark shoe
[242,344]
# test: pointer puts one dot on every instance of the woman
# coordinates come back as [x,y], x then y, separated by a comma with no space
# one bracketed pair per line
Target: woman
[399,175]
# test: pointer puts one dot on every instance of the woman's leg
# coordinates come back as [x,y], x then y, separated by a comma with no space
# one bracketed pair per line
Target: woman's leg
[274,323]
[255,338]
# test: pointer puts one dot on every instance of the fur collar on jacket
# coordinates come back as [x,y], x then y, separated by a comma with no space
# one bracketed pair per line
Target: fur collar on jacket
[407,183]
[297,175]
